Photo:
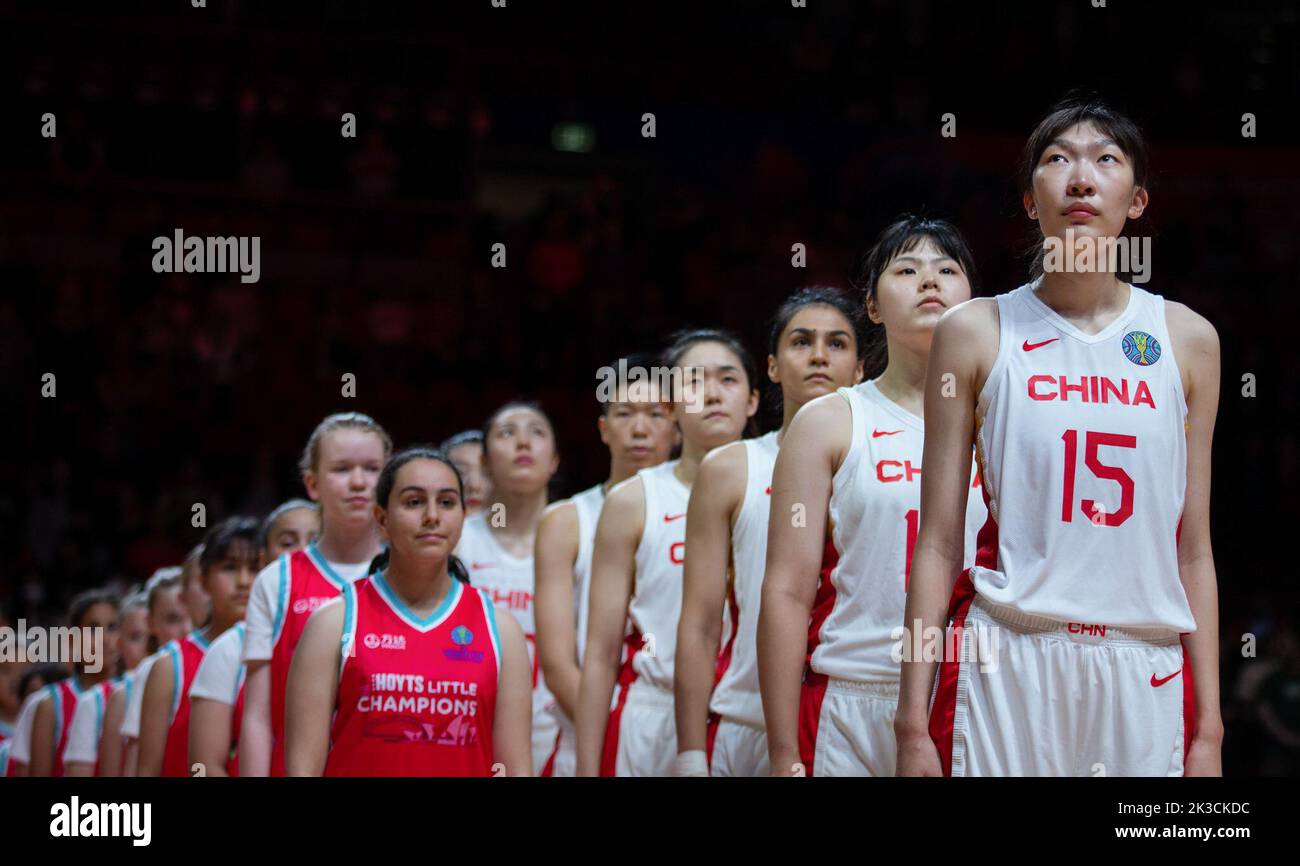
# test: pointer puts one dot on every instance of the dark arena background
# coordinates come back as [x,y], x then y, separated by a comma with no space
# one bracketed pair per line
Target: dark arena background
[523,126]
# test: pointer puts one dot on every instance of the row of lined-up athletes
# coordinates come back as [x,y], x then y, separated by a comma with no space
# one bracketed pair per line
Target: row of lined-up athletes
[738,609]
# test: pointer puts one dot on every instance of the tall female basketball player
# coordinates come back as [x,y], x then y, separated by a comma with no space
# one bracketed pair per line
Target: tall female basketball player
[845,496]
[217,695]
[1091,403]
[497,544]
[229,561]
[637,567]
[638,429]
[339,466]
[93,609]
[412,672]
[813,350]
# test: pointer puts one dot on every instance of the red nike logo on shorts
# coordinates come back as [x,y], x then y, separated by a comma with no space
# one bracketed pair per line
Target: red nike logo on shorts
[1029,347]
[876,434]
[1158,682]
[669,518]
[768,491]
[478,565]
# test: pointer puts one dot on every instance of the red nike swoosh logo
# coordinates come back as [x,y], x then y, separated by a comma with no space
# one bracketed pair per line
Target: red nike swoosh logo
[876,434]
[669,518]
[1157,683]
[1029,347]
[768,491]
[481,564]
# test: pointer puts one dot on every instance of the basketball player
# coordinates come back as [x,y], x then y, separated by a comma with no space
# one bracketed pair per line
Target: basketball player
[169,620]
[638,430]
[497,544]
[81,757]
[227,566]
[94,610]
[1091,403]
[217,695]
[813,350]
[845,499]
[466,452]
[413,672]
[636,568]
[339,466]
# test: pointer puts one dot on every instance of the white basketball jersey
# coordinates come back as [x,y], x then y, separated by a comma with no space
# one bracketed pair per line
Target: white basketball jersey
[736,695]
[656,603]
[509,580]
[588,504]
[875,512]
[1083,444]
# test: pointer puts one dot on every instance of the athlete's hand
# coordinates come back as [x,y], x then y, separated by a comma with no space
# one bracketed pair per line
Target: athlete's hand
[1204,757]
[917,756]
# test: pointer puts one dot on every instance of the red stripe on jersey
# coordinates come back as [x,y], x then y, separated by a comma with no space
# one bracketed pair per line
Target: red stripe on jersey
[308,589]
[724,657]
[176,753]
[67,698]
[811,693]
[413,702]
[823,601]
[626,676]
[963,593]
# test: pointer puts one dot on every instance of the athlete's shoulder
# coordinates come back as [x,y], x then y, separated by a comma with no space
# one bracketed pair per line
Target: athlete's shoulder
[560,510]
[626,492]
[975,318]
[724,459]
[825,420]
[1190,327]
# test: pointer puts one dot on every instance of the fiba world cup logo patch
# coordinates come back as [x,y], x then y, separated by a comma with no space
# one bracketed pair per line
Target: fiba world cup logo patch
[462,638]
[1141,348]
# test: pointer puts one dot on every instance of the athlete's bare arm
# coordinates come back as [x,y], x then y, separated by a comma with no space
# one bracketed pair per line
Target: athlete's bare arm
[613,573]
[812,449]
[42,763]
[155,717]
[716,495]
[1196,346]
[312,692]
[210,734]
[554,556]
[512,726]
[961,354]
[110,739]
[255,726]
